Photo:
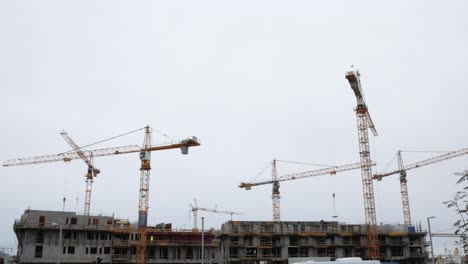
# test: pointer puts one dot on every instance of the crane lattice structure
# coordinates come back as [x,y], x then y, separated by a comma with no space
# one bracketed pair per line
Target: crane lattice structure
[196,208]
[403,181]
[90,174]
[275,181]
[145,157]
[364,121]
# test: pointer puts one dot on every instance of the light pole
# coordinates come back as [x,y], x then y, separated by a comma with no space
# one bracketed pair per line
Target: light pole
[202,240]
[59,251]
[430,236]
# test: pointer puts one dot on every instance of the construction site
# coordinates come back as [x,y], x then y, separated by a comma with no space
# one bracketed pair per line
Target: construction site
[67,237]
[80,239]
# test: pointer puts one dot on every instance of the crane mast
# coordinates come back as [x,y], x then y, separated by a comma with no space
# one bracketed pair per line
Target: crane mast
[145,157]
[275,194]
[364,122]
[404,191]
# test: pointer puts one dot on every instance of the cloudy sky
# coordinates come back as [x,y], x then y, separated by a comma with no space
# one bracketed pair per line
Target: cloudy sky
[255,81]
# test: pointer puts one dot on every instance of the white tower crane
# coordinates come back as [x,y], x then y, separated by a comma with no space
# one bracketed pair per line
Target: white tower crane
[196,208]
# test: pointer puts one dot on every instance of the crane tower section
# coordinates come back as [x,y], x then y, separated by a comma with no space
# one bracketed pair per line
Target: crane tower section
[145,157]
[275,194]
[404,191]
[363,123]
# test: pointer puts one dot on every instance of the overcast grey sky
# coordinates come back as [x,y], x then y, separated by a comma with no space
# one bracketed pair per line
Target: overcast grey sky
[255,80]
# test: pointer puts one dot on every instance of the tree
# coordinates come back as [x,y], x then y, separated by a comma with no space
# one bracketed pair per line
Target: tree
[460,204]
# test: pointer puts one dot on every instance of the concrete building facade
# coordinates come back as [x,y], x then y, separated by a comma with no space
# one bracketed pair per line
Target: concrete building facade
[52,237]
[278,242]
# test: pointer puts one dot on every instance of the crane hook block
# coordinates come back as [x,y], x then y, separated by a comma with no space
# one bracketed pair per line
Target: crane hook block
[184,150]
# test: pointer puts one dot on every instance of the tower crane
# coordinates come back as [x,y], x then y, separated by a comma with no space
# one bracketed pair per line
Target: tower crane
[364,121]
[91,173]
[196,208]
[275,181]
[145,157]
[403,181]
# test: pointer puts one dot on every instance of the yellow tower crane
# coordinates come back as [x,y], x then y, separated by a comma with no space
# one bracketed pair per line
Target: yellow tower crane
[364,121]
[275,181]
[145,157]
[403,181]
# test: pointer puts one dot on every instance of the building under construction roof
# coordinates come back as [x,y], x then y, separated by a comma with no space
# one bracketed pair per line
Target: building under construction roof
[65,237]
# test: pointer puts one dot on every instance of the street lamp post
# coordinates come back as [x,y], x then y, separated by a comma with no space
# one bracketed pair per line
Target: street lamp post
[430,237]
[202,240]
[59,251]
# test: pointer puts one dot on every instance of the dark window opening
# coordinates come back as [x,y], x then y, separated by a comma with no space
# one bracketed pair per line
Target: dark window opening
[40,237]
[93,250]
[233,253]
[251,252]
[41,220]
[95,221]
[321,241]
[276,241]
[277,252]
[38,252]
[321,252]
[189,253]
[151,252]
[71,250]
[266,252]
[68,235]
[107,250]
[293,241]
[234,240]
[163,252]
[73,220]
[248,241]
[397,251]
[265,241]
[293,252]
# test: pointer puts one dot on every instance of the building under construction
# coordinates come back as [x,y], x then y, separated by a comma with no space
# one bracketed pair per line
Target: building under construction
[65,237]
